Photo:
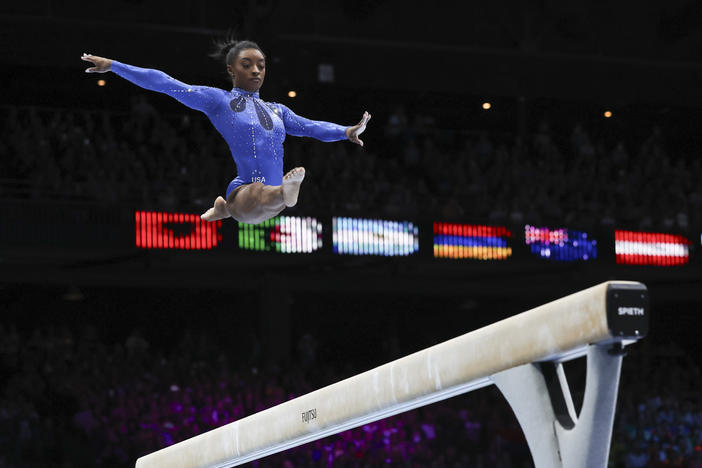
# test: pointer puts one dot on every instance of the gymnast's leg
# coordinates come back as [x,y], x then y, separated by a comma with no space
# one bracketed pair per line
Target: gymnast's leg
[256,202]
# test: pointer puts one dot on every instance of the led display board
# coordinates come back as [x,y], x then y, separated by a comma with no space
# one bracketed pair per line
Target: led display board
[357,236]
[283,234]
[159,230]
[473,241]
[651,248]
[560,244]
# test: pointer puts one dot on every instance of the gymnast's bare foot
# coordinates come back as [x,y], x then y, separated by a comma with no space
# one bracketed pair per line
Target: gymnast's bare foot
[217,212]
[291,185]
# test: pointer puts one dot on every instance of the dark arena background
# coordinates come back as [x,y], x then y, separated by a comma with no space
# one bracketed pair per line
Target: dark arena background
[518,152]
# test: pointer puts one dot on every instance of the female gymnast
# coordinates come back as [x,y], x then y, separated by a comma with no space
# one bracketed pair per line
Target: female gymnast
[254,129]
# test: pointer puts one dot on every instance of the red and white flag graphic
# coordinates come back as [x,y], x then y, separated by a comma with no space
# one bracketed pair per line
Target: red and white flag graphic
[650,248]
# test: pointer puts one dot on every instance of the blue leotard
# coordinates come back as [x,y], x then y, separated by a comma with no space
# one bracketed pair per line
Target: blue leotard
[254,129]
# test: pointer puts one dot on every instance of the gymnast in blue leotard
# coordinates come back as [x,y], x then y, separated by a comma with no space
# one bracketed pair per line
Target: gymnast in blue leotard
[253,129]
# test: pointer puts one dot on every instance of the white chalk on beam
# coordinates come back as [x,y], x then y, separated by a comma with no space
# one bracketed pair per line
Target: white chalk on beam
[548,332]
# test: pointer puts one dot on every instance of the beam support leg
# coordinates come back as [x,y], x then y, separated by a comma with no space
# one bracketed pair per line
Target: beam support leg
[540,398]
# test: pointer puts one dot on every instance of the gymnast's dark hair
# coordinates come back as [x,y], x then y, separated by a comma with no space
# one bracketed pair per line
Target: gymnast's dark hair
[228,48]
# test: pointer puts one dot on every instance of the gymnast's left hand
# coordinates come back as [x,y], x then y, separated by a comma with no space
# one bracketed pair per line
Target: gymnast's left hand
[353,132]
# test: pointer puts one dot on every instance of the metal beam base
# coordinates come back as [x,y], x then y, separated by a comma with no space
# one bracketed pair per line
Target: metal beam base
[540,398]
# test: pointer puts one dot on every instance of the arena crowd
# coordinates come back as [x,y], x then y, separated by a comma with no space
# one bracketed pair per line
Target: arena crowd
[409,166]
[71,398]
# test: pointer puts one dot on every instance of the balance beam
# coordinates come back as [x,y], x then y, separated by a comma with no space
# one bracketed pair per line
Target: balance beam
[611,314]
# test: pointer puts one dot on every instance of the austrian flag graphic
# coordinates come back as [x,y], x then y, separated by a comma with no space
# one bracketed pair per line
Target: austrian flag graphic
[650,248]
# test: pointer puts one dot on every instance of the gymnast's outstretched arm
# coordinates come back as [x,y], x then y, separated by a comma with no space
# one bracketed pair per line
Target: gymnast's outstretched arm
[324,131]
[202,98]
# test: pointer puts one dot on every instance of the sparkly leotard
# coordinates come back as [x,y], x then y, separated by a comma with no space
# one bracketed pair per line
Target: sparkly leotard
[253,129]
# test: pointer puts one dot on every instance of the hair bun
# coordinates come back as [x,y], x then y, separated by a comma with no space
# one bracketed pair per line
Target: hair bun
[226,49]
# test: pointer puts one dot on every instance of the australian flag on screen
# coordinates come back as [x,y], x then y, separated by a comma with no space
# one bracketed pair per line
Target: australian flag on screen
[560,244]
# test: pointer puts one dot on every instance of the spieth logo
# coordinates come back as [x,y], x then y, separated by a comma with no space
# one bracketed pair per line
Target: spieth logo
[309,415]
[630,311]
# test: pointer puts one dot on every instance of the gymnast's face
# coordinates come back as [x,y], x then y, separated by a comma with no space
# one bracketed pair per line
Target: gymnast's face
[248,70]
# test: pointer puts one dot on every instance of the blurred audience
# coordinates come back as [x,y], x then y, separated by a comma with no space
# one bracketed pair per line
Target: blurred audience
[177,162]
[69,398]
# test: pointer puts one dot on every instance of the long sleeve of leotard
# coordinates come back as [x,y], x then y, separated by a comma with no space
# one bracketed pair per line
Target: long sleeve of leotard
[300,126]
[202,98]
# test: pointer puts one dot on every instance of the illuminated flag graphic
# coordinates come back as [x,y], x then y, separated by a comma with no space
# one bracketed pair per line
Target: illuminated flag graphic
[355,236]
[563,245]
[283,234]
[650,248]
[158,230]
[471,241]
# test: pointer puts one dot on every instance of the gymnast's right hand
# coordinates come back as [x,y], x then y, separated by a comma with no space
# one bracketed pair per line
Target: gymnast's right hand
[102,65]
